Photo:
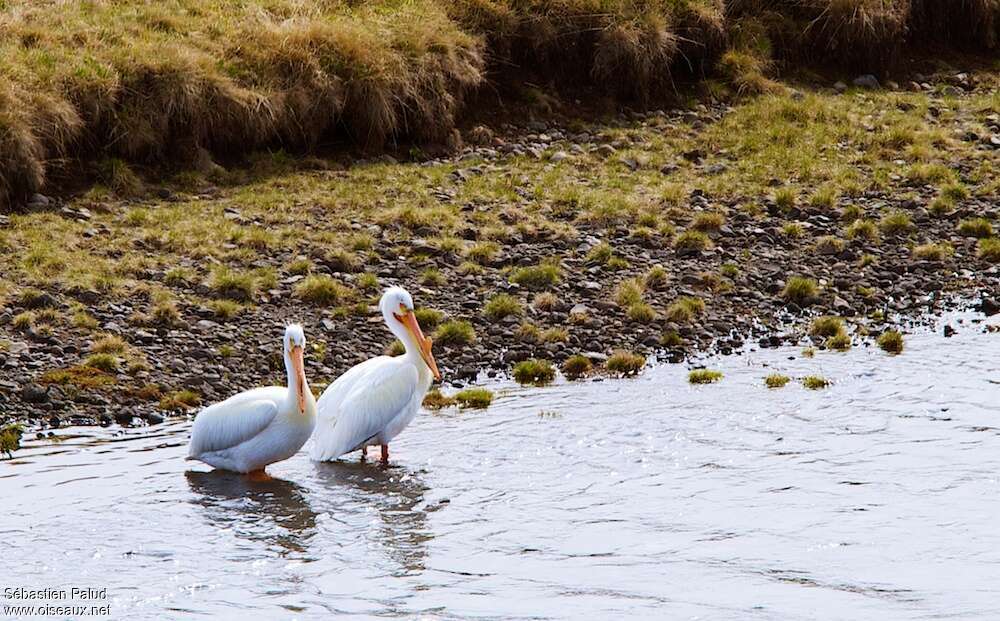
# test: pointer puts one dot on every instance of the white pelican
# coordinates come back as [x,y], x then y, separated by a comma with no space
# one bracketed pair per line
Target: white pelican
[248,431]
[375,400]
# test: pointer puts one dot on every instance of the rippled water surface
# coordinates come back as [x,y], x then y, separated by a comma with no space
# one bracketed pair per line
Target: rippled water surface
[875,498]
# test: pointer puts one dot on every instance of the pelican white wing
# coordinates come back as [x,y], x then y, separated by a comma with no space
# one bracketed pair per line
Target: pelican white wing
[362,404]
[234,421]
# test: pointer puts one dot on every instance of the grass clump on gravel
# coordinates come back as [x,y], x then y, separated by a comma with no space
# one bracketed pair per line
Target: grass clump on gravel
[224,309]
[576,366]
[838,342]
[535,372]
[629,292]
[625,363]
[455,332]
[180,400]
[641,312]
[109,344]
[503,305]
[704,376]
[933,251]
[708,222]
[896,223]
[428,318]
[692,241]
[321,290]
[979,228]
[800,290]
[685,309]
[862,229]
[826,326]
[102,362]
[232,285]
[545,301]
[989,250]
[536,277]
[656,277]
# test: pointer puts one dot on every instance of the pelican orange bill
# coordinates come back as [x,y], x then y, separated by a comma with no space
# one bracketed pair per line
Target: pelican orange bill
[410,321]
[300,374]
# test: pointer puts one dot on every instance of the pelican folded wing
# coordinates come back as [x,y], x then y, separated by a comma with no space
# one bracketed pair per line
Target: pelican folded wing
[226,425]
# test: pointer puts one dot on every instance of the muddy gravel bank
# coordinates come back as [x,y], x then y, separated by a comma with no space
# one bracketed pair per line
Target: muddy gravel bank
[759,269]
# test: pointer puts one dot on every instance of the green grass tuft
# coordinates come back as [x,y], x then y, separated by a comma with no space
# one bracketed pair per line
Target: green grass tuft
[10,438]
[321,290]
[535,372]
[989,250]
[827,326]
[102,362]
[232,285]
[815,382]
[704,376]
[896,223]
[576,366]
[436,400]
[692,241]
[625,363]
[685,309]
[455,332]
[180,400]
[474,398]
[838,342]
[536,277]
[980,228]
[428,318]
[503,305]
[708,222]
[800,290]
[640,312]
[933,252]
[891,341]
[777,380]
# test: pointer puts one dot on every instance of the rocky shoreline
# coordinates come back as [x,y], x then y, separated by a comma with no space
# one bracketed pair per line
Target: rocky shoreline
[737,262]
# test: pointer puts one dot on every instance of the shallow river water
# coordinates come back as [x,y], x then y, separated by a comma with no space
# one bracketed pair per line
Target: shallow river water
[876,498]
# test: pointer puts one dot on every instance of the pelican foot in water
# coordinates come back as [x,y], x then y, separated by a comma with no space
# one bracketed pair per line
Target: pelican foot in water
[258,475]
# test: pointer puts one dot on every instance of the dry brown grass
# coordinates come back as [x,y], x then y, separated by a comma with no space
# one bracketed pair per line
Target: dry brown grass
[627,47]
[146,81]
[131,82]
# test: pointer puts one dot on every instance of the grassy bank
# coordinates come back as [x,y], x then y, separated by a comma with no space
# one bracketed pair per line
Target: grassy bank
[673,233]
[93,87]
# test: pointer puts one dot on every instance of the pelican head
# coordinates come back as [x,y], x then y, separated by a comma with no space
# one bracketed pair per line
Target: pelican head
[295,345]
[397,310]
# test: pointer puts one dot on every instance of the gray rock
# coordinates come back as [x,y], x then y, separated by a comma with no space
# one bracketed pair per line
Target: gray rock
[39,200]
[33,393]
[866,81]
[605,150]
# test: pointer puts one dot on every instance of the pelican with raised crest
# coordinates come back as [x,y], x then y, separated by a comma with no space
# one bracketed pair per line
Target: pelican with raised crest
[374,401]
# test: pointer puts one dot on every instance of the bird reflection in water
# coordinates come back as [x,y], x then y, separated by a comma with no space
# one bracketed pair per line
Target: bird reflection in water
[397,495]
[273,511]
